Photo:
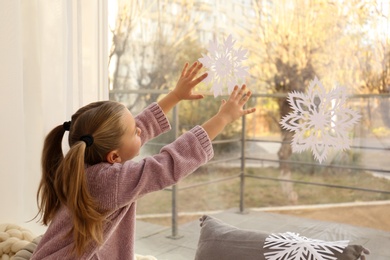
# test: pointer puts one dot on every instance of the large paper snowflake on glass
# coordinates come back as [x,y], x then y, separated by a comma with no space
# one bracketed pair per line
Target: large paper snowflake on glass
[291,246]
[224,66]
[320,120]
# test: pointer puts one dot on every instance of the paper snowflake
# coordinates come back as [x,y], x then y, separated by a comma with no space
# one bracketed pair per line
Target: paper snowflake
[290,246]
[224,66]
[320,120]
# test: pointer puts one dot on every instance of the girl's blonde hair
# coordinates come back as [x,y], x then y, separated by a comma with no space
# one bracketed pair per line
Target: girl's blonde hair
[63,179]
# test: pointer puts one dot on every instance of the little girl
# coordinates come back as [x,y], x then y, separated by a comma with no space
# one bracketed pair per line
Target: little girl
[89,196]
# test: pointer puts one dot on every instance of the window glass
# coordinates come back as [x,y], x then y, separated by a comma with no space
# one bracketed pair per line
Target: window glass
[289,44]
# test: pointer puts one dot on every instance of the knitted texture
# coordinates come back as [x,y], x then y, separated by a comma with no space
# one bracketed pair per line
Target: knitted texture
[13,238]
[117,187]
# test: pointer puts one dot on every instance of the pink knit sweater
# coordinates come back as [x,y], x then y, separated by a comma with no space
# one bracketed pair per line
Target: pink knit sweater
[117,187]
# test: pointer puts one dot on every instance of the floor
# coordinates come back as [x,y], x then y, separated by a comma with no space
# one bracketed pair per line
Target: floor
[155,240]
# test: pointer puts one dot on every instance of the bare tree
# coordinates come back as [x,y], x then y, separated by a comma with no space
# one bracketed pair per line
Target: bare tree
[128,16]
[148,40]
[375,61]
[293,41]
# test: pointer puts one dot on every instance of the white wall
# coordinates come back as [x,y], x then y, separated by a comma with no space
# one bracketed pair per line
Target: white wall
[53,59]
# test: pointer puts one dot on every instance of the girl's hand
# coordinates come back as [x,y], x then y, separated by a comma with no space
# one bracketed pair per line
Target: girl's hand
[230,110]
[233,108]
[187,81]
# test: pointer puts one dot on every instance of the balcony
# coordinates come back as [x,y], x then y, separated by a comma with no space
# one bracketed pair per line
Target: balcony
[156,240]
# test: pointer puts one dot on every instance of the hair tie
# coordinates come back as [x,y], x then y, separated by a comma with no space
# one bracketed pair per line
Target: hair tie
[88,139]
[66,125]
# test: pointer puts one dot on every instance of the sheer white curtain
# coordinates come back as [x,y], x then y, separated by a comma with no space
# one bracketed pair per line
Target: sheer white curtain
[53,59]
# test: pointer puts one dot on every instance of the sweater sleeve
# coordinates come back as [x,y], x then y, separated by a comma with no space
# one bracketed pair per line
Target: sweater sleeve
[152,122]
[174,162]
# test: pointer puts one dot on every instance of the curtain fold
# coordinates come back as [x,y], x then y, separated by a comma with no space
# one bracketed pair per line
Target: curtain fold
[53,62]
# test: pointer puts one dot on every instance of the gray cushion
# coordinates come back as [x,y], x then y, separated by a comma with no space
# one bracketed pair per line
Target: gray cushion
[221,241]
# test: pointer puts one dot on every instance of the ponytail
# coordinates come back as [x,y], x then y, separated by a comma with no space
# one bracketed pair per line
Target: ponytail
[64,182]
[52,156]
[72,191]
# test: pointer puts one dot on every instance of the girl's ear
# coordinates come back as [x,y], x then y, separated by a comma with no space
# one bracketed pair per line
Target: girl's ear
[113,157]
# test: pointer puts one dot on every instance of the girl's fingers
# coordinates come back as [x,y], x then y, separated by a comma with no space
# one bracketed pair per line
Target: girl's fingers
[241,91]
[196,70]
[245,97]
[196,96]
[249,110]
[183,72]
[192,68]
[237,92]
[200,78]
[234,92]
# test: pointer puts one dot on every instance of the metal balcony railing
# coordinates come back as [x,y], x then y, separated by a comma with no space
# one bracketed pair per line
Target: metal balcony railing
[244,158]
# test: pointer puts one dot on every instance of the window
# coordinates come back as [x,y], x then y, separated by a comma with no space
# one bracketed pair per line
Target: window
[342,43]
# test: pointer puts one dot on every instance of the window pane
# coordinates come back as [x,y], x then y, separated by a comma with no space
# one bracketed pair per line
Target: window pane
[344,44]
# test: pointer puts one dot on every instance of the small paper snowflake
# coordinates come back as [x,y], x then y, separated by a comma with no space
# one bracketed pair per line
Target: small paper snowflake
[224,66]
[291,246]
[320,120]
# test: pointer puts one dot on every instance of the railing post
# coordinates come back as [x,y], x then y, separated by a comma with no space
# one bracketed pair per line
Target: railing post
[174,218]
[174,233]
[242,173]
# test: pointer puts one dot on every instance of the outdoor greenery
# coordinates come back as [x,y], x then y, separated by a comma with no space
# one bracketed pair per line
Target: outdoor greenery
[260,192]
